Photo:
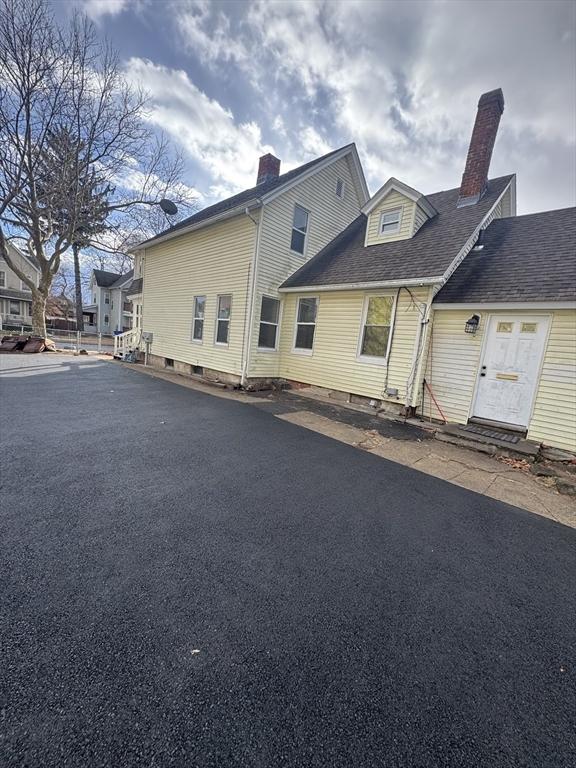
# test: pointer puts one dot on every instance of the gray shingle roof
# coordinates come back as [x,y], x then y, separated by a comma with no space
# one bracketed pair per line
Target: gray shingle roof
[105,279]
[244,197]
[123,279]
[525,258]
[428,254]
[135,287]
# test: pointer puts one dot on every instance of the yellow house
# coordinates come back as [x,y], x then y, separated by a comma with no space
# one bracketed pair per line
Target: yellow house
[446,305]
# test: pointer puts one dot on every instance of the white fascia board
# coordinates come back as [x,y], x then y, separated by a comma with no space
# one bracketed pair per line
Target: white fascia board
[466,248]
[239,209]
[311,172]
[506,305]
[408,282]
[403,189]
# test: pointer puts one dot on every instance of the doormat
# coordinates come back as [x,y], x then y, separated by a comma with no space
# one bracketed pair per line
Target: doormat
[492,434]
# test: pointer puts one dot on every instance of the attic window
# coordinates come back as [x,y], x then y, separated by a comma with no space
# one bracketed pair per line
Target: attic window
[390,222]
[339,188]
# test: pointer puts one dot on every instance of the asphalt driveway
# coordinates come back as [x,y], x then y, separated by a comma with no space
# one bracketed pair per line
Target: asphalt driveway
[190,581]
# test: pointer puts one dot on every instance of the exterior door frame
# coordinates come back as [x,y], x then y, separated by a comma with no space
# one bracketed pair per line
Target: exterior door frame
[515,314]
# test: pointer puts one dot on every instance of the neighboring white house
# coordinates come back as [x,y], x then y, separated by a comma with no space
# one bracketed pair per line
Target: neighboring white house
[110,310]
[15,295]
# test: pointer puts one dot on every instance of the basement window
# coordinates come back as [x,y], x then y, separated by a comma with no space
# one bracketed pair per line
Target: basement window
[390,222]
[168,362]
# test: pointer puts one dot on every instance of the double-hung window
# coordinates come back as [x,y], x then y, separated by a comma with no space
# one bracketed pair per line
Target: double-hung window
[223,319]
[376,325]
[390,222]
[14,307]
[2,279]
[198,319]
[299,229]
[305,324]
[269,314]
[106,297]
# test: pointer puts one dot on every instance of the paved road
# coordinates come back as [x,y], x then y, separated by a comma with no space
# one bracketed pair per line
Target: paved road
[189,581]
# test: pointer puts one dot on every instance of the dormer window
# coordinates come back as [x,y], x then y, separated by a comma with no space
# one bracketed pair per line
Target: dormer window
[390,222]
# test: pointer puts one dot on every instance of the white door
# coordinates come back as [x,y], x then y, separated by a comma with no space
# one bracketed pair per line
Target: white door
[510,368]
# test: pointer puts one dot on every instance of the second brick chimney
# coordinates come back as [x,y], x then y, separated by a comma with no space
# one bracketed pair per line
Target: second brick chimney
[475,176]
[268,168]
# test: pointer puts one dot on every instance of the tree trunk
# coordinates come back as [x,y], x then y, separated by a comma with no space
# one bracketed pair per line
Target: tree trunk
[39,297]
[78,287]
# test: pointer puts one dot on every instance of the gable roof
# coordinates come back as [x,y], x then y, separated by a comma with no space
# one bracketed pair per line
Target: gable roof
[524,258]
[403,189]
[26,256]
[425,257]
[105,279]
[254,196]
[123,280]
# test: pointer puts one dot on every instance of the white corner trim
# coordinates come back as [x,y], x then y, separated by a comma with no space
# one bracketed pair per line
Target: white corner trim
[409,282]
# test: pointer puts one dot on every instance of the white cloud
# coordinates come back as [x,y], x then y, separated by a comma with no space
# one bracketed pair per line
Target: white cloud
[403,80]
[227,150]
[97,9]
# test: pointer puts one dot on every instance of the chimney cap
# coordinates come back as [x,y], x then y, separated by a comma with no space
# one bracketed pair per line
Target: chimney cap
[490,96]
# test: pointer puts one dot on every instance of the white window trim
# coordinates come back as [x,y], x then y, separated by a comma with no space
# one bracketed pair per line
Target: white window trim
[222,343]
[400,210]
[18,312]
[299,230]
[300,350]
[369,359]
[24,287]
[3,280]
[273,349]
[194,318]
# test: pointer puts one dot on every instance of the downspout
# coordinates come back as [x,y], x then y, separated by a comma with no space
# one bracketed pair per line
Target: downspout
[250,292]
[412,384]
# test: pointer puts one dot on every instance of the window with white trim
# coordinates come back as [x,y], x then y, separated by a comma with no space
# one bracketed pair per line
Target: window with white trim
[376,325]
[339,188]
[2,279]
[269,314]
[306,323]
[390,222]
[299,229]
[24,286]
[106,297]
[223,319]
[14,307]
[106,319]
[198,318]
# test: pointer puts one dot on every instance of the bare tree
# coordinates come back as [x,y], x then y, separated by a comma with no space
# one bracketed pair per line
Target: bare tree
[66,81]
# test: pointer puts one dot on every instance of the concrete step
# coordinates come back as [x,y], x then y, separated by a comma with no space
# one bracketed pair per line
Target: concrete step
[457,435]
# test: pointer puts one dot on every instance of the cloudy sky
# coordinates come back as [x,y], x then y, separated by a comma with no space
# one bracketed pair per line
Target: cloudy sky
[230,81]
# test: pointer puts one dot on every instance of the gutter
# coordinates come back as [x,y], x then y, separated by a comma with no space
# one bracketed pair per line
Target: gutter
[411,282]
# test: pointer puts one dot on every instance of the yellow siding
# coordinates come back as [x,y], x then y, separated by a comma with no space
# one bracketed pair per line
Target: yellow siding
[212,261]
[333,363]
[392,200]
[554,417]
[452,368]
[329,215]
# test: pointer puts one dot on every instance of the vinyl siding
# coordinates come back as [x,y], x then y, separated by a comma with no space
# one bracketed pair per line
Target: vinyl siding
[212,261]
[554,417]
[333,363]
[452,367]
[391,201]
[420,217]
[329,215]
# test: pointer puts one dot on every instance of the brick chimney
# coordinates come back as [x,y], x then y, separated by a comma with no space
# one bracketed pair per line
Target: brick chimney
[268,168]
[475,176]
